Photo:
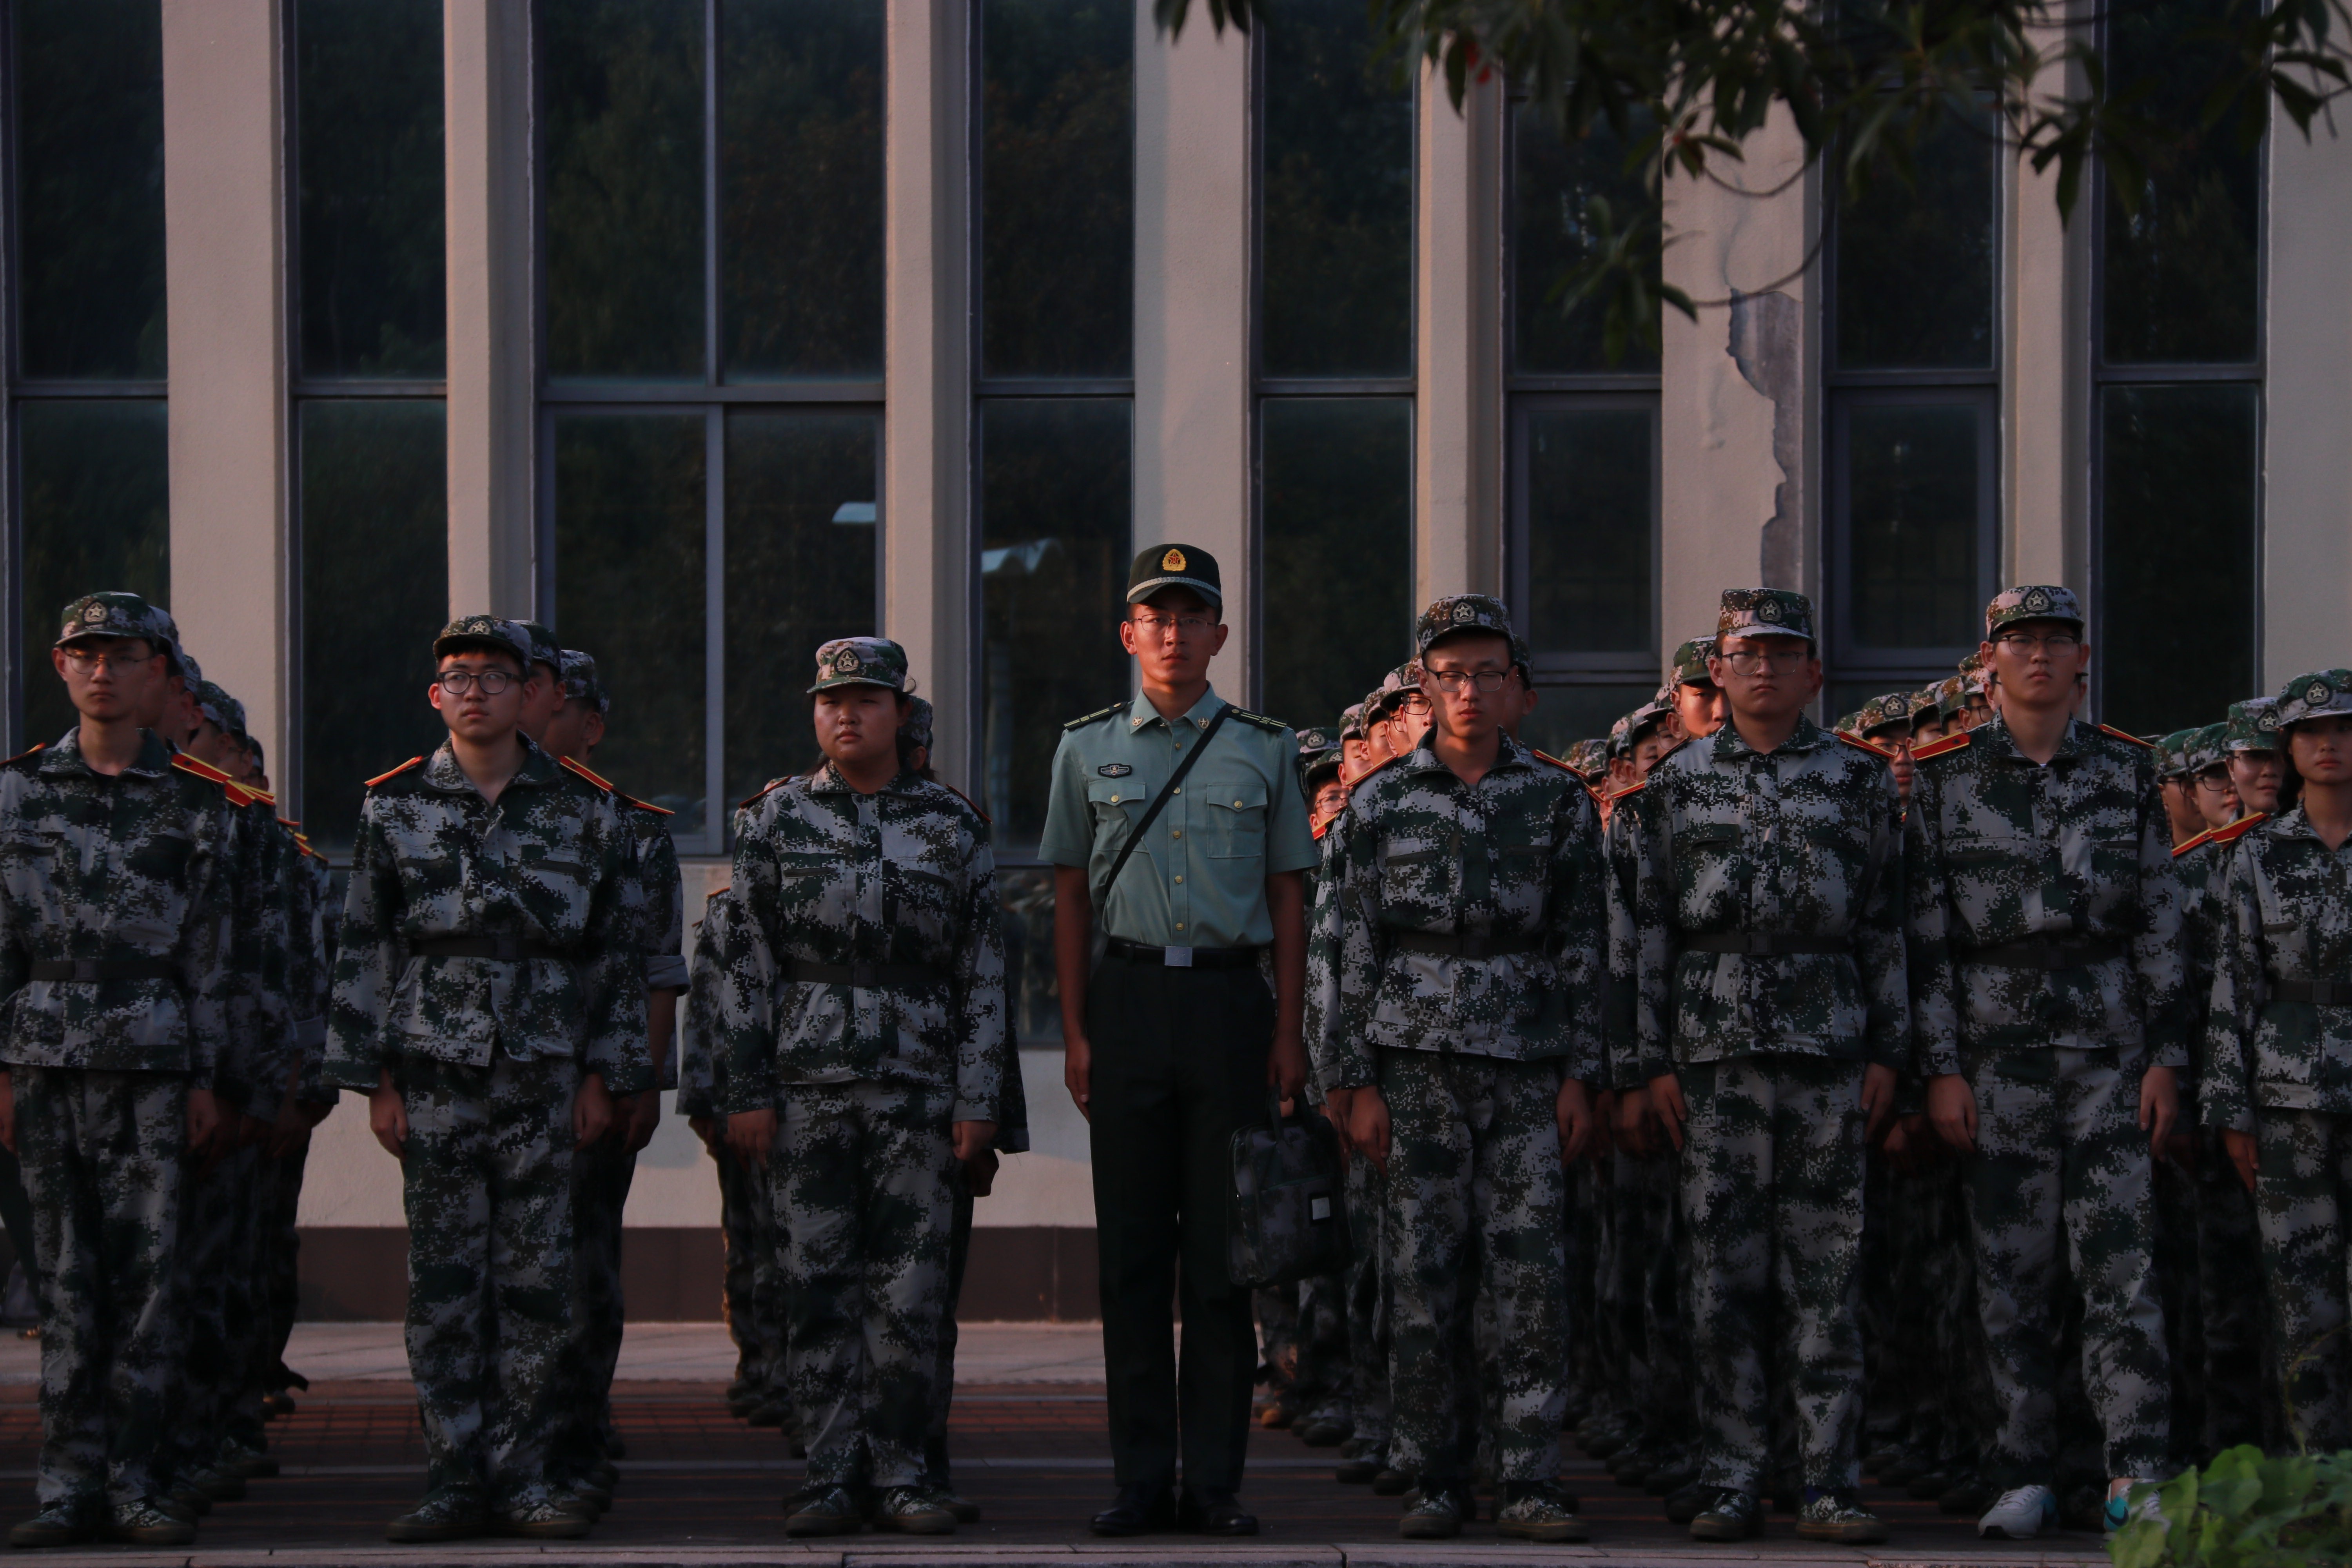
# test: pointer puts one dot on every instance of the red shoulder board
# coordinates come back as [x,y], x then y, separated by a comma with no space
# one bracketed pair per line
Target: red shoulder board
[1670,750]
[966,799]
[394,773]
[2239,828]
[2127,735]
[22,756]
[1555,761]
[762,792]
[645,804]
[1636,787]
[1859,744]
[1368,773]
[291,825]
[1937,748]
[2196,843]
[1598,798]
[239,795]
[603,784]
[263,795]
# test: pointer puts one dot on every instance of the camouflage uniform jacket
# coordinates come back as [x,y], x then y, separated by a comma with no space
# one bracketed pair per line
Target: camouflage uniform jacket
[1802,842]
[903,877]
[701,1037]
[310,968]
[132,866]
[547,864]
[1999,851]
[2282,910]
[654,899]
[259,1047]
[1511,861]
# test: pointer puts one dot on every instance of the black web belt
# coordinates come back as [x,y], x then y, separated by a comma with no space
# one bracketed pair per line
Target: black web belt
[1437,945]
[2326,992]
[864,976]
[1118,947]
[2050,955]
[90,968]
[1764,944]
[505,949]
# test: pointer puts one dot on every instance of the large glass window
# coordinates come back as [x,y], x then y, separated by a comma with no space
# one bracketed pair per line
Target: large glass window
[83,388]
[712,218]
[1913,419]
[2177,359]
[1336,514]
[1583,543]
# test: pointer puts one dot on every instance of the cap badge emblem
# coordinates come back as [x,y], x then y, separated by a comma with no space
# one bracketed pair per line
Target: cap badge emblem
[1896,707]
[2037,600]
[1115,770]
[1172,561]
[1463,610]
[1767,610]
[2316,692]
[2268,721]
[845,661]
[93,613]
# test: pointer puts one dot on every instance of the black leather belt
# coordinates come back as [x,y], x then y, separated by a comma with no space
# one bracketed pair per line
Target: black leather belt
[2051,955]
[88,969]
[2326,992]
[1118,947]
[1764,944]
[864,976]
[505,949]
[1461,946]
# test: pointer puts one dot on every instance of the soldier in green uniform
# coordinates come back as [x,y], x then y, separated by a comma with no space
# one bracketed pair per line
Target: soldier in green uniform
[1467,925]
[867,1049]
[490,998]
[1171,1039]
[2277,1050]
[2047,1011]
[1757,936]
[114,947]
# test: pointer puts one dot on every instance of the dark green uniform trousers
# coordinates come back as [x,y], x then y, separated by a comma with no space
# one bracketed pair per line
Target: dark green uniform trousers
[1179,1060]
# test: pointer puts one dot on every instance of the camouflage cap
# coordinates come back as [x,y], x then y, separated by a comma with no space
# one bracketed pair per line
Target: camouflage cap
[471,634]
[2313,696]
[1310,741]
[1690,663]
[2172,754]
[220,708]
[1351,723]
[860,661]
[1621,739]
[2032,602]
[1174,566]
[915,728]
[543,647]
[578,671]
[2208,746]
[118,615]
[2253,725]
[1764,612]
[183,662]
[1398,684]
[1314,762]
[1927,705]
[1895,708]
[1464,613]
[1588,758]
[253,743]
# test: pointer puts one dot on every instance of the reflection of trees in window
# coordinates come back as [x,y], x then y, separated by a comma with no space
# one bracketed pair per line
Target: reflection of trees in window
[1057,188]
[1056,500]
[1560,193]
[1336,252]
[1588,530]
[94,515]
[801,201]
[89,82]
[622,95]
[1336,506]
[371,205]
[1915,265]
[375,590]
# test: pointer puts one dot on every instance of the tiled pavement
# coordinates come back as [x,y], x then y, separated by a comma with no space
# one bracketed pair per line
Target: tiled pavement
[699,1488]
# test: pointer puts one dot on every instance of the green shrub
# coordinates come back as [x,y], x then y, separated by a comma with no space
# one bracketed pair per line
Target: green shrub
[2246,1510]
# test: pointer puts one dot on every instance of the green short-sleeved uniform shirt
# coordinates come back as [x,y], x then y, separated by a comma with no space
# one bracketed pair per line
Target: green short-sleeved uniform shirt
[1198,878]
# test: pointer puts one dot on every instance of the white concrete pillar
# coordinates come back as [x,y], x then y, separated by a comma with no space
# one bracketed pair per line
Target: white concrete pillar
[1194,183]
[2307,406]
[2044,290]
[492,399]
[927,544]
[224,298]
[1458,508]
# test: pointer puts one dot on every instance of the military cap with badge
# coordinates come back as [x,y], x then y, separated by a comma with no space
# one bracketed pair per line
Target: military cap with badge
[1764,612]
[2253,725]
[860,661]
[485,634]
[1174,566]
[118,615]
[2031,602]
[2317,695]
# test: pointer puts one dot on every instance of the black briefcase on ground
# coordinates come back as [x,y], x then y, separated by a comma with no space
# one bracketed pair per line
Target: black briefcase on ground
[1286,1221]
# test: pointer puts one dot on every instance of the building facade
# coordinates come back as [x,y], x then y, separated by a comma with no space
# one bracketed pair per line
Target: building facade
[708,330]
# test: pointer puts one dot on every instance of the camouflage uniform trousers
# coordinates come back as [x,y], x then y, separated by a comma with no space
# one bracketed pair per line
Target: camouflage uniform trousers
[1475,1213]
[937,1476]
[601,1177]
[103,1155]
[864,1209]
[281,1276]
[487,1180]
[2305,1195]
[1276,1311]
[221,1322]
[2061,1160]
[1323,1383]
[1771,1191]
[754,1302]
[2242,1385]
[1668,1396]
[1366,1287]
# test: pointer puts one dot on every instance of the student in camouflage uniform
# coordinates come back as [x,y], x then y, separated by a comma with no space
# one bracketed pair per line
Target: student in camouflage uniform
[2250,741]
[2277,1050]
[1699,709]
[866,1047]
[490,998]
[1758,938]
[114,947]
[2047,1006]
[1466,923]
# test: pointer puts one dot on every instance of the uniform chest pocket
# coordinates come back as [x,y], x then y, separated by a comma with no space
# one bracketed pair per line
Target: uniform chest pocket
[1115,806]
[1703,851]
[913,886]
[1236,821]
[1417,874]
[162,858]
[813,884]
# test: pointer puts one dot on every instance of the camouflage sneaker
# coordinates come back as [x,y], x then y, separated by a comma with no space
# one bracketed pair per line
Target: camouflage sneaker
[1437,1516]
[821,1511]
[141,1523]
[183,1513]
[1834,1516]
[442,1516]
[1732,1516]
[542,1519]
[910,1510]
[60,1525]
[1540,1511]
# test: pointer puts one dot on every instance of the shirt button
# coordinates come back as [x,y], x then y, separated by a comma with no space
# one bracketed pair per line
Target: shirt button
[1178,790]
[1180,876]
[1178,832]
[1180,925]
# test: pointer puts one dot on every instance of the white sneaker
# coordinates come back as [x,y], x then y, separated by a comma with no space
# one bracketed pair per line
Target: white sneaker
[2122,1507]
[2020,1514]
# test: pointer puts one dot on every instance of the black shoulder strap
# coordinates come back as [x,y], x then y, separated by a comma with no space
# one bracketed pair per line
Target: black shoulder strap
[1159,802]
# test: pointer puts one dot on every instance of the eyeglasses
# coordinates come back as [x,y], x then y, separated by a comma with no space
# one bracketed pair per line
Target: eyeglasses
[458,682]
[1487,681]
[1413,702]
[2057,645]
[2214,781]
[1183,625]
[1747,661]
[83,661]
